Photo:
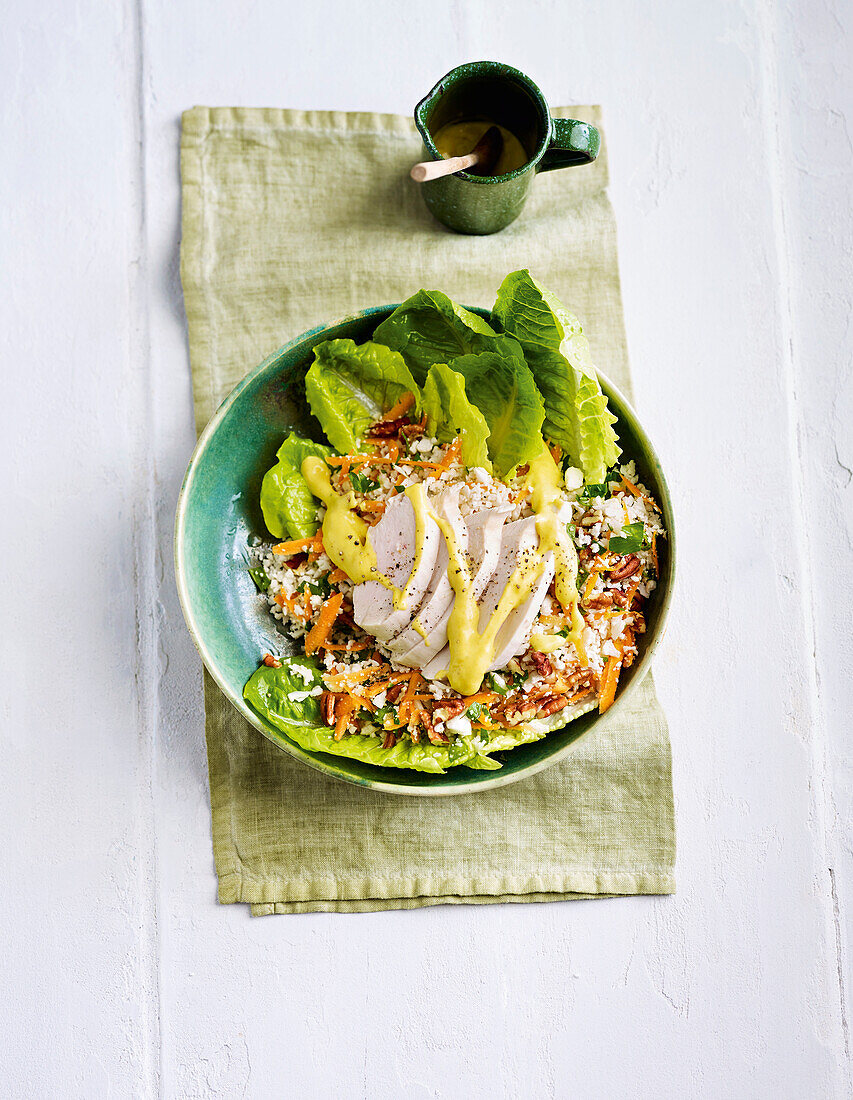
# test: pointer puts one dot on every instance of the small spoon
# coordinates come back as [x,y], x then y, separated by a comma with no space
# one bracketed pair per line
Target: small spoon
[484,156]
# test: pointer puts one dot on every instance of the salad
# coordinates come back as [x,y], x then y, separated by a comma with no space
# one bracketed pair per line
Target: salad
[464,558]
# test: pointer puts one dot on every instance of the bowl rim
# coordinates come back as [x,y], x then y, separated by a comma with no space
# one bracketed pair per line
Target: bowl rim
[333,768]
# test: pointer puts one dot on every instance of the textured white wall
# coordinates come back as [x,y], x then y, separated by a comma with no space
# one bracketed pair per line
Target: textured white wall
[731,165]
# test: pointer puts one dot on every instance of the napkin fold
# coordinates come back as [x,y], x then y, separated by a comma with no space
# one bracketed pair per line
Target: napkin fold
[295,218]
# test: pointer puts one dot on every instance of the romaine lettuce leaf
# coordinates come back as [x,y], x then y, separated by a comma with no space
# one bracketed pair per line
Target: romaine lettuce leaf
[576,412]
[269,690]
[450,413]
[504,391]
[288,505]
[431,328]
[513,736]
[349,386]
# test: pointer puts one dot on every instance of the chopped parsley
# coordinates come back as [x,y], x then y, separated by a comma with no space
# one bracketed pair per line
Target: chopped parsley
[498,683]
[316,588]
[259,576]
[588,492]
[362,483]
[630,540]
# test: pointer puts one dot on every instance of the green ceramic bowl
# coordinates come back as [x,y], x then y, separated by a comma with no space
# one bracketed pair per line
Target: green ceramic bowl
[218,512]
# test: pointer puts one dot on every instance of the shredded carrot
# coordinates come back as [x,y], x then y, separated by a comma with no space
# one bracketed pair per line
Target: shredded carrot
[590,582]
[361,460]
[655,554]
[295,546]
[372,505]
[632,592]
[631,487]
[485,726]
[347,706]
[481,697]
[556,452]
[383,685]
[344,681]
[394,450]
[362,702]
[553,620]
[607,691]
[402,406]
[358,459]
[346,647]
[451,454]
[337,575]
[415,680]
[292,605]
[320,631]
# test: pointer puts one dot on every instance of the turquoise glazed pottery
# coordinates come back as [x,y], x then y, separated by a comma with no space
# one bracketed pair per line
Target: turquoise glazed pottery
[218,513]
[501,94]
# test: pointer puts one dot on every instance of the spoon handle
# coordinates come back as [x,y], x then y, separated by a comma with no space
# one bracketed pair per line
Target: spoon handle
[433,169]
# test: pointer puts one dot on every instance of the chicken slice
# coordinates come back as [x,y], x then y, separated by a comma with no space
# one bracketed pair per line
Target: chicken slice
[519,538]
[483,538]
[394,541]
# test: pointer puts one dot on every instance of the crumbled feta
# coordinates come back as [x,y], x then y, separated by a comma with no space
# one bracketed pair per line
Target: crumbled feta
[573,478]
[301,696]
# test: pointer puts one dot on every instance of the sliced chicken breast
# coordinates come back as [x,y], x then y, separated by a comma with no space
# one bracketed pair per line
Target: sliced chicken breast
[436,604]
[514,635]
[518,538]
[482,535]
[394,542]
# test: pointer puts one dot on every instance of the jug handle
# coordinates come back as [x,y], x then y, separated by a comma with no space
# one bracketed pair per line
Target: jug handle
[573,142]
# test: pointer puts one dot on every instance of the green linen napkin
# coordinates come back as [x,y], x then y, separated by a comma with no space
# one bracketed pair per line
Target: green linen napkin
[295,218]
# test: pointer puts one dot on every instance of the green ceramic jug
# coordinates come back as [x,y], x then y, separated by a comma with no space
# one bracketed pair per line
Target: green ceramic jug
[498,93]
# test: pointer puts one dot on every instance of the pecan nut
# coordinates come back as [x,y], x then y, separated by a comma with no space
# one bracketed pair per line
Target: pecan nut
[382,429]
[449,708]
[393,693]
[551,704]
[327,707]
[540,662]
[627,567]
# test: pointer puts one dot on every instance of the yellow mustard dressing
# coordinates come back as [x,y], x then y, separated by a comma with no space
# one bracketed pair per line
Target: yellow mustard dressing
[344,533]
[416,625]
[471,652]
[417,497]
[543,481]
[547,643]
[455,139]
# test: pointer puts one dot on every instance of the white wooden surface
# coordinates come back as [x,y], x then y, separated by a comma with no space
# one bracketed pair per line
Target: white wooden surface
[729,130]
